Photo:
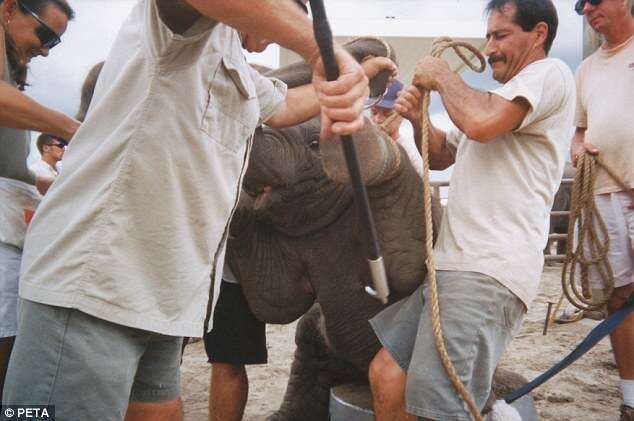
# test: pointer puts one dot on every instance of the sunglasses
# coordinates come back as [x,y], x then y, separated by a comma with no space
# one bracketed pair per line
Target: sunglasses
[580,4]
[48,38]
[60,143]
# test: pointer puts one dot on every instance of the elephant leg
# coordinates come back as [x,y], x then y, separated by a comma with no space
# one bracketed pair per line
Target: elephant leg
[314,371]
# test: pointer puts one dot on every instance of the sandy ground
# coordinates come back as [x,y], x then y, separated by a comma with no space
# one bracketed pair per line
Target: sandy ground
[586,391]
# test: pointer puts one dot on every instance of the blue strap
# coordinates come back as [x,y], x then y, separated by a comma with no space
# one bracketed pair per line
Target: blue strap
[599,332]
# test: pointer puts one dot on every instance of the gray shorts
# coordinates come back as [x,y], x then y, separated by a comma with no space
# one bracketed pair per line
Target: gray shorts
[87,367]
[479,317]
[10,258]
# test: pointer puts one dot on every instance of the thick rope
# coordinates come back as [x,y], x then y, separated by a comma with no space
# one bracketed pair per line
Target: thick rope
[438,48]
[593,242]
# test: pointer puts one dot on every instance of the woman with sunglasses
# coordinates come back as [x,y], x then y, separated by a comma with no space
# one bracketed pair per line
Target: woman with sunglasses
[28,28]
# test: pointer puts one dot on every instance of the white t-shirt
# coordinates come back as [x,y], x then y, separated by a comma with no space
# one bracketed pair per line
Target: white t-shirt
[605,106]
[497,215]
[134,226]
[16,197]
[42,169]
[412,153]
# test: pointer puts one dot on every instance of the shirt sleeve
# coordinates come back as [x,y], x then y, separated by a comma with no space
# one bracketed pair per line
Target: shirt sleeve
[160,39]
[454,139]
[271,94]
[581,116]
[542,85]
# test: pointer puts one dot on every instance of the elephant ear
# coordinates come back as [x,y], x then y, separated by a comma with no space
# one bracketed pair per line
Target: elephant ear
[301,73]
[274,281]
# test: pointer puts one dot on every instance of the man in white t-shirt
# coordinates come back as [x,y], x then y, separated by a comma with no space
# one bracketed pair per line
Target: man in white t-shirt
[51,149]
[509,153]
[605,104]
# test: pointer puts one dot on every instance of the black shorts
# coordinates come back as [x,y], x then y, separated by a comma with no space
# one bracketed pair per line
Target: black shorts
[237,337]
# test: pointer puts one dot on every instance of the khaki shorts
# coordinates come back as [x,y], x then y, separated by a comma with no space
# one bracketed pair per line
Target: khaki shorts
[619,221]
[479,317]
[88,368]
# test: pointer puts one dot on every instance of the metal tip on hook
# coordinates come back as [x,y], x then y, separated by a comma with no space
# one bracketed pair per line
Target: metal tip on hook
[379,278]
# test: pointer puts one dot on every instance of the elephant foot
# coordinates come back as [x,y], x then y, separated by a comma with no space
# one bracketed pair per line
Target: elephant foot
[504,382]
[354,400]
[314,371]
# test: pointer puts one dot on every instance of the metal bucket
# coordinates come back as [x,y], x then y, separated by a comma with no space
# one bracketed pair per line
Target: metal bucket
[353,402]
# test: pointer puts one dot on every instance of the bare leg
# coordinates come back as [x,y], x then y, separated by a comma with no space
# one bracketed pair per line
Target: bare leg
[623,336]
[6,345]
[228,391]
[155,411]
[387,381]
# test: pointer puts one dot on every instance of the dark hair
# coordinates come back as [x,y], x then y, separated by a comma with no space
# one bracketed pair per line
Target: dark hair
[529,13]
[88,90]
[17,62]
[38,6]
[43,139]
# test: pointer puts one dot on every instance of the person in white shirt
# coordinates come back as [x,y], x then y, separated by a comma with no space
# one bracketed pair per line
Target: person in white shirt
[509,151]
[605,102]
[51,150]
[383,110]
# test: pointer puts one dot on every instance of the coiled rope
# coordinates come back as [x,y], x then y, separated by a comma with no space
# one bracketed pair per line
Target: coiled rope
[593,243]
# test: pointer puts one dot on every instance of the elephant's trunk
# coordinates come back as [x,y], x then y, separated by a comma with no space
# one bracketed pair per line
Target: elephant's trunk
[379,156]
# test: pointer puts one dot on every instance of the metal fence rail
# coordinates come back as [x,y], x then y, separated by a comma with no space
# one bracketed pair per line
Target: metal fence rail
[439,200]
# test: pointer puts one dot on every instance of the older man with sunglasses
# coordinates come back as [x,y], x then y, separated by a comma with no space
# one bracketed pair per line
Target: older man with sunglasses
[28,28]
[605,105]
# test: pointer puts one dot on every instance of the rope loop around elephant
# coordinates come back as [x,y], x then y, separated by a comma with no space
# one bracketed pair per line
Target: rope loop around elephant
[439,46]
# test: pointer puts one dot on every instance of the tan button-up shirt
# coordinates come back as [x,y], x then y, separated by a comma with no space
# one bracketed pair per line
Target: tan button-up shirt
[137,222]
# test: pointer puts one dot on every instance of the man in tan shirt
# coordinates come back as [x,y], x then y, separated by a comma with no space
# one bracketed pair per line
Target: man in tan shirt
[605,106]
[123,255]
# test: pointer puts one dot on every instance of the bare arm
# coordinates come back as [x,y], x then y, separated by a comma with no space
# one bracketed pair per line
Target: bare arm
[408,105]
[283,22]
[279,21]
[21,112]
[302,103]
[482,116]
